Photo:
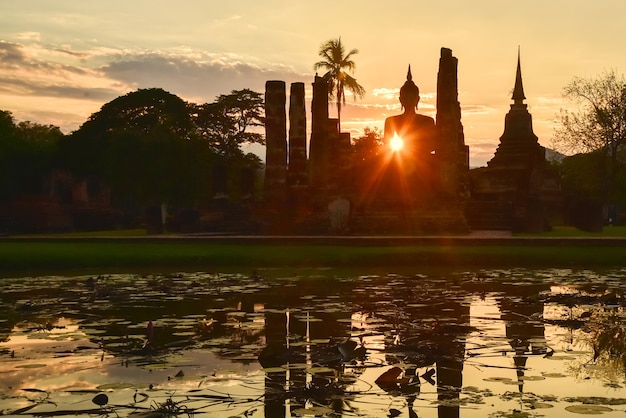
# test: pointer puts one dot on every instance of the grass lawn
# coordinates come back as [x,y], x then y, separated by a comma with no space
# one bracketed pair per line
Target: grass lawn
[571,232]
[19,257]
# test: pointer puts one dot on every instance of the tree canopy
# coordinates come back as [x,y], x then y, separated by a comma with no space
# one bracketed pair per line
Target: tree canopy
[225,124]
[337,63]
[28,151]
[598,126]
[142,144]
[152,147]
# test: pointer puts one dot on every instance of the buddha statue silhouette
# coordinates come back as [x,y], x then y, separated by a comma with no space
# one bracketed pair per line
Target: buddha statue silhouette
[414,130]
[410,167]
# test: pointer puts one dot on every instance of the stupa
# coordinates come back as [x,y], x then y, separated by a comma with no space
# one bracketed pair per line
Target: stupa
[517,190]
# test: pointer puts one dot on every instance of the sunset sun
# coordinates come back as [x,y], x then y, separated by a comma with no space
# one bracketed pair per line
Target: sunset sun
[396,143]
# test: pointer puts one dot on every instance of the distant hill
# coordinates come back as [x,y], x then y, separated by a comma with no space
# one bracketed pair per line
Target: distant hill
[552,155]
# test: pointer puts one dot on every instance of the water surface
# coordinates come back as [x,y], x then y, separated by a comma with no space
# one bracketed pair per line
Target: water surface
[493,343]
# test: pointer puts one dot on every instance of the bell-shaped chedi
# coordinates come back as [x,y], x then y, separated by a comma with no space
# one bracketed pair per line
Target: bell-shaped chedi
[519,148]
[517,190]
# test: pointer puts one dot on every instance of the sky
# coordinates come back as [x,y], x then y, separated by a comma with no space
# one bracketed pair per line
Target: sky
[62,60]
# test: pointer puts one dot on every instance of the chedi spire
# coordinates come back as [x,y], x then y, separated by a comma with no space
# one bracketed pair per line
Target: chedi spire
[518,91]
[409,92]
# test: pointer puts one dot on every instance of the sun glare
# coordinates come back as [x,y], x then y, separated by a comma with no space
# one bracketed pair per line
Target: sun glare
[396,143]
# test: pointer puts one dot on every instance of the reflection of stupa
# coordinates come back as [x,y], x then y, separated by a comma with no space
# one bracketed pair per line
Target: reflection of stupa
[517,190]
[526,336]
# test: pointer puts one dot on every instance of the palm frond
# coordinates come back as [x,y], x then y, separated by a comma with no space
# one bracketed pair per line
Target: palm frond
[337,65]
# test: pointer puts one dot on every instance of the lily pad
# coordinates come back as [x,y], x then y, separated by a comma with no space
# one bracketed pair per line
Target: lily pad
[539,405]
[30,366]
[315,411]
[100,399]
[318,370]
[274,370]
[497,379]
[588,409]
[114,386]
[551,375]
[531,378]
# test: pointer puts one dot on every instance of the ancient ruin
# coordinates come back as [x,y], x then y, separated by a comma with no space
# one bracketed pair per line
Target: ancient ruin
[421,189]
[517,190]
[424,188]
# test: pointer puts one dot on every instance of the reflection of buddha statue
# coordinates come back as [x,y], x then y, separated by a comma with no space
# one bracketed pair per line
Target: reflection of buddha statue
[416,131]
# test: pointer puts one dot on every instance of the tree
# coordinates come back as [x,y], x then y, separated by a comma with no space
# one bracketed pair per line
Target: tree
[368,145]
[365,158]
[7,125]
[225,124]
[144,145]
[335,61]
[598,126]
[28,152]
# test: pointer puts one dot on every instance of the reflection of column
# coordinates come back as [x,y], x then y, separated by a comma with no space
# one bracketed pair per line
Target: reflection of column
[450,381]
[274,405]
[281,387]
[443,344]
[450,363]
[275,354]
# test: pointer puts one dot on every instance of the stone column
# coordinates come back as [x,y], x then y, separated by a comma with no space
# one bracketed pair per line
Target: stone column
[453,154]
[276,142]
[297,172]
[318,151]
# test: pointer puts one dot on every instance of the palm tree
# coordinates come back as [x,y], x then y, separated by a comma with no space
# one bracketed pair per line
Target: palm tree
[335,61]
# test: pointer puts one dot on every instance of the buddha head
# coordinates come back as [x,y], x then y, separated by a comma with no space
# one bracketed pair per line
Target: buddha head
[409,93]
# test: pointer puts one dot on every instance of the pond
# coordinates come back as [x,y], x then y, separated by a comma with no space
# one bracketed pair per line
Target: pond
[492,343]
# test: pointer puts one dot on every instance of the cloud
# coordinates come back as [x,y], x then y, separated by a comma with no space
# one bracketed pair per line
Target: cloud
[28,36]
[82,55]
[227,20]
[386,93]
[474,109]
[35,88]
[196,77]
[58,84]
[34,76]
[11,53]
[481,151]
[24,73]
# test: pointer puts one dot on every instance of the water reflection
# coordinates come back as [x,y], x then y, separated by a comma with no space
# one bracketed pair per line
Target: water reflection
[327,345]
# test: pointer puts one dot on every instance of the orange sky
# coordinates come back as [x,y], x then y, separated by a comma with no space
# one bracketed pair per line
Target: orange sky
[61,61]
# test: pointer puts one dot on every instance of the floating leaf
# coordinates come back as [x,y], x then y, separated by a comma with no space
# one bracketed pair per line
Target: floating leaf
[390,377]
[497,379]
[318,370]
[315,410]
[139,397]
[588,409]
[100,399]
[274,369]
[22,410]
[30,366]
[114,386]
[531,378]
[540,405]
[554,375]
